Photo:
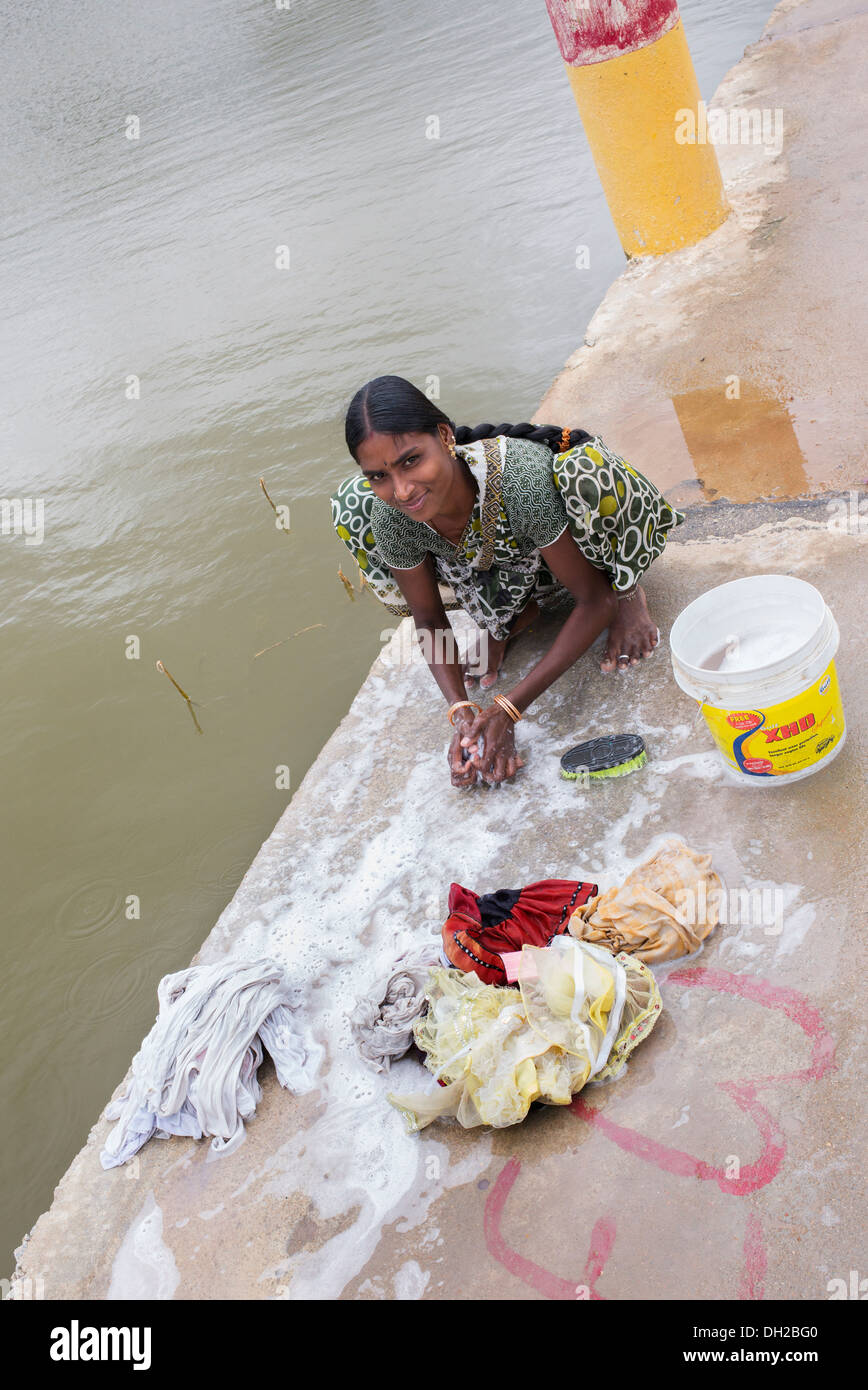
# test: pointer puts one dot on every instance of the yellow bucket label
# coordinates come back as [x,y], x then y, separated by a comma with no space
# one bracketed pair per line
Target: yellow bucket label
[777,739]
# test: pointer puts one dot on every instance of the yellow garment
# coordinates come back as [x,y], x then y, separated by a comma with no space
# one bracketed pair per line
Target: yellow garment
[664,909]
[578,1013]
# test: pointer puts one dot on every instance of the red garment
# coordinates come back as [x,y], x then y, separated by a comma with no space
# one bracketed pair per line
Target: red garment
[479,930]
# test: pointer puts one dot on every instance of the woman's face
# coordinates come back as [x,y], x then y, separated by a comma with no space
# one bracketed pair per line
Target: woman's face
[413,472]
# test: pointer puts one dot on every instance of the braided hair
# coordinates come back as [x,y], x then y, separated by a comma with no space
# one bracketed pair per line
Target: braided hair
[392,405]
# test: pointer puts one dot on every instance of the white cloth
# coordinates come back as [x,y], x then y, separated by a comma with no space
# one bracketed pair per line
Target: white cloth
[382,1021]
[195,1072]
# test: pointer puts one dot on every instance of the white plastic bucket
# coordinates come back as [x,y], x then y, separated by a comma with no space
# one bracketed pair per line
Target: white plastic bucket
[758,656]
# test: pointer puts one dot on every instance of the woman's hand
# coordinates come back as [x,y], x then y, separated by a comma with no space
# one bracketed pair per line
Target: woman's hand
[498,761]
[461,768]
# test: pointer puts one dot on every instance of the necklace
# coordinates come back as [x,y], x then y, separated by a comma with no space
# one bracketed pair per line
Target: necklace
[468,523]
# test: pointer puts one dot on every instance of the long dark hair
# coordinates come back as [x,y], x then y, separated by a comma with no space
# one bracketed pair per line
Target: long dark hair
[391,405]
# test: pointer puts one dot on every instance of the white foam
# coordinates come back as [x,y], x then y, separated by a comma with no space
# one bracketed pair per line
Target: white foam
[144,1267]
[209,1215]
[411,1281]
[338,932]
[705,765]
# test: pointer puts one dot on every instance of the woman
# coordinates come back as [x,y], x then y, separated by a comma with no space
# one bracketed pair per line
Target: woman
[510,519]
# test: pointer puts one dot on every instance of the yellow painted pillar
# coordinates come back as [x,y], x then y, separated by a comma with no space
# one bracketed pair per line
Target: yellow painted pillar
[633,80]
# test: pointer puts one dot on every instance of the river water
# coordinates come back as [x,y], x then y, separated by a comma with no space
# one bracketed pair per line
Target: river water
[155,362]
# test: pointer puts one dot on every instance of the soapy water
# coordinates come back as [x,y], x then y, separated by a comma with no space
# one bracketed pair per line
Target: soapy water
[752,651]
[394,898]
[477,749]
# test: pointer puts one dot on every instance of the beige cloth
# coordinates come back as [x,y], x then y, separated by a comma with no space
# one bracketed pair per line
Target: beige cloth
[664,909]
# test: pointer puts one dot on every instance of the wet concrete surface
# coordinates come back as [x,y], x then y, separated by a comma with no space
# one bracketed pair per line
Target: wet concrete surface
[721,1165]
[735,368]
[725,1163]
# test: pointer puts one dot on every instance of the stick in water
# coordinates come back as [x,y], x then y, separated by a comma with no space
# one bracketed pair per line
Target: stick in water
[281,527]
[161,667]
[287,639]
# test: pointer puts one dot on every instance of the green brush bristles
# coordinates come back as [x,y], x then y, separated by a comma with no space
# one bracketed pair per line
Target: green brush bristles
[612,756]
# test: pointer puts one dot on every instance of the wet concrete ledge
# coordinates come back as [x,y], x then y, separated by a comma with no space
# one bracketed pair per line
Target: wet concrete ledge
[327,1196]
[755,1061]
[734,367]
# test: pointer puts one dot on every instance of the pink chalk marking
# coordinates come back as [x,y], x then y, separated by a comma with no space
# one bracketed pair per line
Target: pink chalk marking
[602,1241]
[788,1001]
[548,1284]
[801,1012]
[595,30]
[754,1175]
[755,1260]
[751,1176]
[751,1286]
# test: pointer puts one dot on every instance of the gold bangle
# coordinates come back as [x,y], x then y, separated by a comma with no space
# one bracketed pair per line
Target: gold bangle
[565,439]
[459,704]
[506,704]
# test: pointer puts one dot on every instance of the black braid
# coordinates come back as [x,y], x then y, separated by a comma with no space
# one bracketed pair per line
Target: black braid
[392,405]
[550,435]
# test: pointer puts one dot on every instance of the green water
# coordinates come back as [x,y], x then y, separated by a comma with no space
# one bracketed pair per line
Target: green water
[124,831]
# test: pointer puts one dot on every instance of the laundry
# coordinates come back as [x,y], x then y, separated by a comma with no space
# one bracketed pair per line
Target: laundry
[480,929]
[195,1072]
[577,1015]
[382,1021]
[495,1049]
[664,909]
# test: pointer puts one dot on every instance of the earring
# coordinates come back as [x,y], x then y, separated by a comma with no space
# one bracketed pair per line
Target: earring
[452,451]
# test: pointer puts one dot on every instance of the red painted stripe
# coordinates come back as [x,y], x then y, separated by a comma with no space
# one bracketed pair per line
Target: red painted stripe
[755,1260]
[766,1165]
[592,31]
[543,1280]
[752,1176]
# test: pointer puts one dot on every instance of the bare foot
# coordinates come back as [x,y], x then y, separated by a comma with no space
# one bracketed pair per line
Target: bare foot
[495,649]
[632,636]
[470,666]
